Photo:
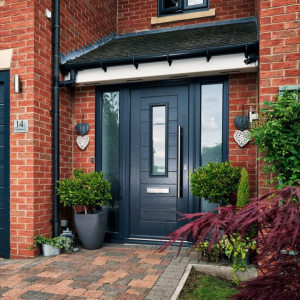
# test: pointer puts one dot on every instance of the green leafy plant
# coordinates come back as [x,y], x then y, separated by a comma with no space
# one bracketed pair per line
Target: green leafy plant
[208,255]
[87,189]
[215,181]
[278,137]
[62,242]
[243,193]
[237,248]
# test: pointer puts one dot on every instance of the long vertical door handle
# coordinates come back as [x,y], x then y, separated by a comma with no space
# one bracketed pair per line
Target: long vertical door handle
[179,163]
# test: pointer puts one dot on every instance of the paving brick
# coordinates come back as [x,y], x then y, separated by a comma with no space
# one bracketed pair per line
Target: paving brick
[30,295]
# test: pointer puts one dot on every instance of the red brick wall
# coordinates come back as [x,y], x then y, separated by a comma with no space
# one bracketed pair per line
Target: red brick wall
[135,15]
[243,90]
[279,52]
[25,28]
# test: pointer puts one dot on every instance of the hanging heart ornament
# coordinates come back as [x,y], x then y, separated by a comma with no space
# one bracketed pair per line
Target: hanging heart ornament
[83,141]
[242,138]
[83,128]
[241,122]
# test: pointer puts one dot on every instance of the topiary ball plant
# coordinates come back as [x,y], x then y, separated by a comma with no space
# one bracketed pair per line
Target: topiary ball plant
[215,181]
[243,194]
[87,189]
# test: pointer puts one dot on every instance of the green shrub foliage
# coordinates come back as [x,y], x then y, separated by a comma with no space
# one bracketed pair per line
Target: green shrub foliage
[243,194]
[87,189]
[215,182]
[278,138]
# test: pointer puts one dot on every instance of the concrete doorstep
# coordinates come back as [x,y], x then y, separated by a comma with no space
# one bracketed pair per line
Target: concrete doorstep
[214,270]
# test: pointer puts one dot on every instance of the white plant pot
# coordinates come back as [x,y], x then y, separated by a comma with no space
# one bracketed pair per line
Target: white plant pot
[49,250]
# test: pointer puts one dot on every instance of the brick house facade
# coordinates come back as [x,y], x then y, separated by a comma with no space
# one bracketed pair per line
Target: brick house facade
[27,32]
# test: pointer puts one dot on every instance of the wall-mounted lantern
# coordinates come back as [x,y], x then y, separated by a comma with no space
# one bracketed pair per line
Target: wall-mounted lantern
[17,84]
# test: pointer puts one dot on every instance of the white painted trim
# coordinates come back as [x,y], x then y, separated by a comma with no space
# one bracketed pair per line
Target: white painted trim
[5,59]
[194,67]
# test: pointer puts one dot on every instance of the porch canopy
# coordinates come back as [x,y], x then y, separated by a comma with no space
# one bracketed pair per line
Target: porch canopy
[204,50]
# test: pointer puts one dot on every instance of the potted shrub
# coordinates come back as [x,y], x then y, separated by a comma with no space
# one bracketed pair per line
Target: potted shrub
[53,246]
[215,181]
[91,191]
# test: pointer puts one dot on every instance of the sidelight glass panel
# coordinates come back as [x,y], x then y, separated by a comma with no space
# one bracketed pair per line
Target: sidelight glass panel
[111,155]
[158,140]
[194,2]
[211,129]
[170,3]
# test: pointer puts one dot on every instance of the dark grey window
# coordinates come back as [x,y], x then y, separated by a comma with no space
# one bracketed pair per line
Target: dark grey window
[180,6]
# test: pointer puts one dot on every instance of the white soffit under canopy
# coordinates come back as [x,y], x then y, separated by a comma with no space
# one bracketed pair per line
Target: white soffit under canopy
[194,67]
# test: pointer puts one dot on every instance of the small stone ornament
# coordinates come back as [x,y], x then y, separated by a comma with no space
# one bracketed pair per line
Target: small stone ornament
[242,138]
[83,141]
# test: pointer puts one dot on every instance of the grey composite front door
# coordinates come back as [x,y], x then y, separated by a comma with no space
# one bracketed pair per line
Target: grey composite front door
[158,160]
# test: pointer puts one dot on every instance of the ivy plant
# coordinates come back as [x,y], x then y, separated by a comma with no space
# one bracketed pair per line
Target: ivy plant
[278,138]
[87,189]
[62,242]
[215,181]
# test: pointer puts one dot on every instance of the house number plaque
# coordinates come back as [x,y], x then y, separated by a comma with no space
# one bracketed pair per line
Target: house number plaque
[21,126]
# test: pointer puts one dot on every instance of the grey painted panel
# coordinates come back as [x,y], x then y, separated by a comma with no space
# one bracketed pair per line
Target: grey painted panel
[159,202]
[144,152]
[145,128]
[173,152]
[1,219]
[2,93]
[145,165]
[158,215]
[173,127]
[146,102]
[2,176]
[145,140]
[1,114]
[1,197]
[173,114]
[172,167]
[145,115]
[1,135]
[1,239]
[172,139]
[171,179]
[1,155]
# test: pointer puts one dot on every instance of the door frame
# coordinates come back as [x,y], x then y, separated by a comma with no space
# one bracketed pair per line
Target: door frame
[5,78]
[194,85]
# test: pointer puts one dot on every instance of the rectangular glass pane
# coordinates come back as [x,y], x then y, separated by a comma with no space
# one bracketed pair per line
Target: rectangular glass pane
[158,140]
[111,155]
[170,3]
[194,2]
[211,129]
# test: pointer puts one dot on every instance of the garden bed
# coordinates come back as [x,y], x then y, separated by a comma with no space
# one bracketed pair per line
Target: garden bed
[206,287]
[215,270]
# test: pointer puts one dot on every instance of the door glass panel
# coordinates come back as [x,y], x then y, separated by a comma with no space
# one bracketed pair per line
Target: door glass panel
[194,2]
[111,155]
[158,140]
[211,128]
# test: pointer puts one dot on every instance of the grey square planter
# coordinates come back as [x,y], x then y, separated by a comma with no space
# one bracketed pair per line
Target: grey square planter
[91,228]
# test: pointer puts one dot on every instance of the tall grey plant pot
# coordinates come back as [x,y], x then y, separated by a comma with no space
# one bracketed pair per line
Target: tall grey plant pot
[91,228]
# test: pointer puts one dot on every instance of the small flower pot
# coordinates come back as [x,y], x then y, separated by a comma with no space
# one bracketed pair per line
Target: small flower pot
[49,250]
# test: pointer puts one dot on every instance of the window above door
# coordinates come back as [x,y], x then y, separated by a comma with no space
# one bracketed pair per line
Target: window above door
[166,7]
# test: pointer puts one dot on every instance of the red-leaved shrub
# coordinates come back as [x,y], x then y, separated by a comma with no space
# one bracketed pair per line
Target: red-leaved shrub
[276,218]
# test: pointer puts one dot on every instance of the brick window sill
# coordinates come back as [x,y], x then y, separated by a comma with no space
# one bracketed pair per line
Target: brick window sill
[184,17]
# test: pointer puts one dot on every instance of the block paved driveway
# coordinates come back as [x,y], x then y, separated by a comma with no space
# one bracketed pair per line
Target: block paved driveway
[115,271]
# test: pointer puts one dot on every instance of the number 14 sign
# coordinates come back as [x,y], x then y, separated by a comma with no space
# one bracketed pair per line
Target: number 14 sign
[21,126]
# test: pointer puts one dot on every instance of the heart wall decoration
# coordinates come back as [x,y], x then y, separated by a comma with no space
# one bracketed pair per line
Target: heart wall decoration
[83,141]
[241,122]
[83,128]
[242,138]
